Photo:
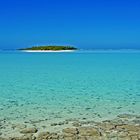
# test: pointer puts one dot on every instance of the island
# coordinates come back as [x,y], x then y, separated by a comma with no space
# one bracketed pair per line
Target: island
[49,49]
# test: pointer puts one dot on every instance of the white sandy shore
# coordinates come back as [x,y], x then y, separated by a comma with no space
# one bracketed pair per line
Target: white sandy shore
[46,51]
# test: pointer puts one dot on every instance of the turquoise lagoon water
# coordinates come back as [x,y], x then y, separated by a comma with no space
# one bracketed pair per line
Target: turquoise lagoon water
[60,86]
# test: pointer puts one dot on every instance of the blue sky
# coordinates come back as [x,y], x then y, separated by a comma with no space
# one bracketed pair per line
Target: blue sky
[82,23]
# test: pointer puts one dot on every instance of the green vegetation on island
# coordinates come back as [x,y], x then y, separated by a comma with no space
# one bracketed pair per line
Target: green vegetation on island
[51,48]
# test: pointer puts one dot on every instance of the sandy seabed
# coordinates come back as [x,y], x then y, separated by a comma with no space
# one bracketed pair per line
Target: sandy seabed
[123,127]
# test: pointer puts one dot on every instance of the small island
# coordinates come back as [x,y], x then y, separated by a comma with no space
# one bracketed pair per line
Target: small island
[49,49]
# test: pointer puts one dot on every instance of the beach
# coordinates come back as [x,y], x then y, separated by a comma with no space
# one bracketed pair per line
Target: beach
[70,96]
[47,51]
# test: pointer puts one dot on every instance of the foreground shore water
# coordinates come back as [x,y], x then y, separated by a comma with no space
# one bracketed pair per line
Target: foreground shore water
[123,127]
[69,96]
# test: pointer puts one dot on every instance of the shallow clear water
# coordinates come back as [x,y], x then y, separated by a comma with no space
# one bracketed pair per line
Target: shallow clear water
[58,86]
